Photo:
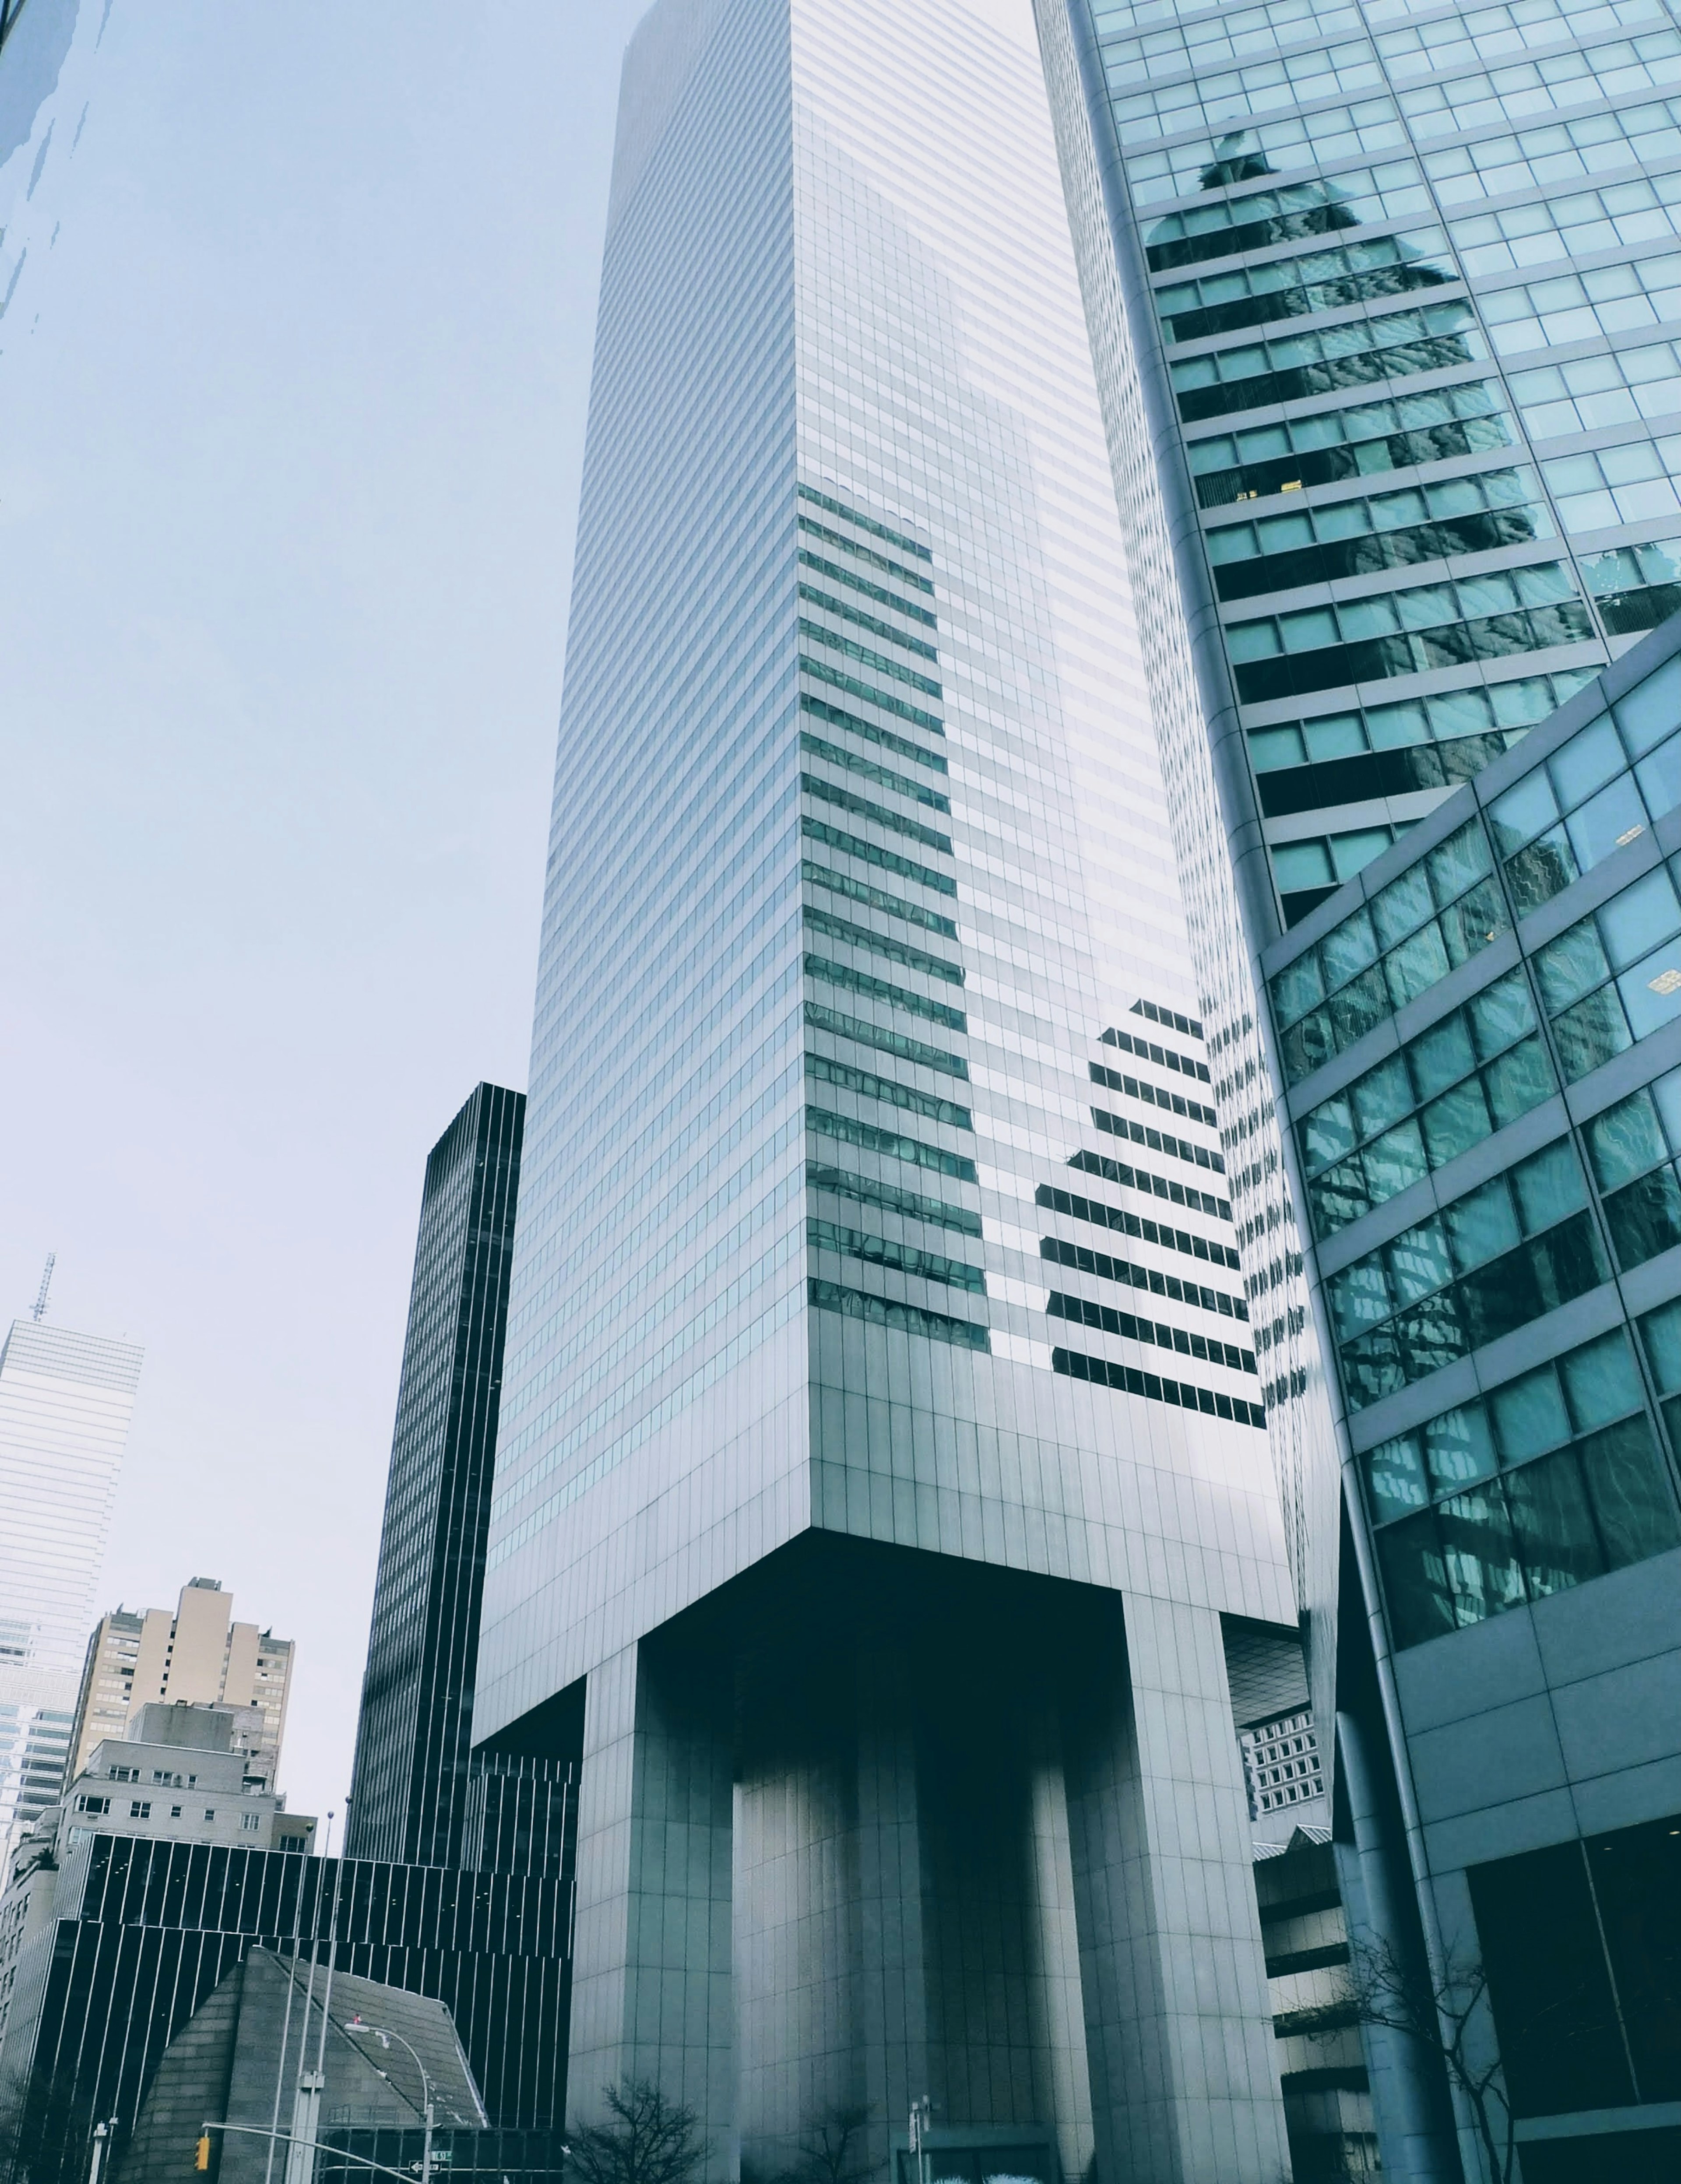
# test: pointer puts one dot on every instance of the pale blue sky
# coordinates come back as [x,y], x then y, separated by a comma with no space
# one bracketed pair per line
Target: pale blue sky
[290,424]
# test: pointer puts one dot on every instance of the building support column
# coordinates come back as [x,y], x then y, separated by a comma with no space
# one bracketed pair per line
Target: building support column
[651,1995]
[1178,2030]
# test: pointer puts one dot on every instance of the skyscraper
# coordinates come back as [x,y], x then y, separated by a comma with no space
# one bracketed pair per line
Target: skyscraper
[65,1404]
[842,1475]
[1424,829]
[409,1800]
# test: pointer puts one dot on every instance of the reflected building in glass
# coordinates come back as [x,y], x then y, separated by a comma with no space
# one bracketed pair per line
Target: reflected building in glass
[881,1467]
[1383,301]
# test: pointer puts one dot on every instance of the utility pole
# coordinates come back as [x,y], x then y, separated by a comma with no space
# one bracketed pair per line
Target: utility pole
[385,2038]
[101,2132]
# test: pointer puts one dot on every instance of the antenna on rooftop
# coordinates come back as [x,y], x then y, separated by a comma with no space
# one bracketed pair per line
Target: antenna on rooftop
[46,1284]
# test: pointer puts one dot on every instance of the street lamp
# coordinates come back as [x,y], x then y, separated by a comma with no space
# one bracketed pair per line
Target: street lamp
[385,2038]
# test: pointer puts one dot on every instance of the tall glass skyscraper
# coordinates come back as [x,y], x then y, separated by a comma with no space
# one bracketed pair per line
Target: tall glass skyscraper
[1380,298]
[409,1792]
[882,1456]
[65,1403]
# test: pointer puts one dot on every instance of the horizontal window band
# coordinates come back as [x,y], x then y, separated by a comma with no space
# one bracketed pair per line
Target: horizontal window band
[1371,553]
[1413,652]
[868,1086]
[1129,1328]
[890,905]
[820,671]
[839,1026]
[1147,1051]
[870,853]
[1134,1224]
[1335,294]
[870,523]
[1351,459]
[1159,1186]
[877,662]
[1159,1141]
[908,1318]
[1151,1278]
[882,944]
[836,716]
[909,1204]
[878,990]
[918,647]
[862,585]
[855,762]
[898,1258]
[1268,390]
[866,555]
[1113,1080]
[871,1139]
[861,808]
[1127,1380]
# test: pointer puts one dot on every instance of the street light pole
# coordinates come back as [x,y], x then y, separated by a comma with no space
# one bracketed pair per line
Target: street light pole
[385,2038]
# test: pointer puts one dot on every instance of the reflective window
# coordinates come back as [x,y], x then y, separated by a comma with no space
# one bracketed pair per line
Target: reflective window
[1570,307]
[1589,393]
[1515,1247]
[1471,98]
[1615,976]
[1445,1091]
[1632,1150]
[1432,426]
[1293,287]
[1266,147]
[1439,912]
[1596,794]
[1556,151]
[1548,1481]
[1292,366]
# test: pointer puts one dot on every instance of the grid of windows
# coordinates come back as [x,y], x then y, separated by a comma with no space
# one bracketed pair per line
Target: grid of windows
[1550,1479]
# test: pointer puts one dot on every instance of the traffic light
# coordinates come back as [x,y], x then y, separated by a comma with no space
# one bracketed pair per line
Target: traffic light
[202,2159]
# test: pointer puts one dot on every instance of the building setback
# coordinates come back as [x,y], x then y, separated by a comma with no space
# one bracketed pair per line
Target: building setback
[1426,832]
[411,1794]
[882,1462]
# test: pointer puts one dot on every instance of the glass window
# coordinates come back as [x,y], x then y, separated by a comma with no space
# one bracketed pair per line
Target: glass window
[1626,1140]
[1529,1415]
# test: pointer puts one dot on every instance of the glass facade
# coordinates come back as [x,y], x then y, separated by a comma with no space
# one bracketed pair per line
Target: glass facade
[865,1002]
[1380,297]
[1520,165]
[410,1793]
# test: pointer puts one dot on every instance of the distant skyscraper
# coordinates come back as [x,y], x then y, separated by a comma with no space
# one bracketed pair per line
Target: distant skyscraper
[1383,300]
[48,70]
[65,1404]
[195,1653]
[410,1796]
[880,1469]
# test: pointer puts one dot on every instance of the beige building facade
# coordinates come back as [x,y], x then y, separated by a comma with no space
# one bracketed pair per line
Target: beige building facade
[195,1654]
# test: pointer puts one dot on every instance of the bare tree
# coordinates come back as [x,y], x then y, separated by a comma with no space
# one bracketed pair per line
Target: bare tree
[1386,1989]
[833,2152]
[651,2141]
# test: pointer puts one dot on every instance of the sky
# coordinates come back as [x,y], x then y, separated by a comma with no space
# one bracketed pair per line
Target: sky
[290,419]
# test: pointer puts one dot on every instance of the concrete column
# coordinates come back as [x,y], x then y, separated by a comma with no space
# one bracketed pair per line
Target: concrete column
[651,1971]
[893,1956]
[1179,2034]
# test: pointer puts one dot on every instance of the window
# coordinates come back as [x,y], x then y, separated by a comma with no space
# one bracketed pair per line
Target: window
[1131,1329]
[1332,444]
[865,1191]
[1445,1091]
[1587,2000]
[1441,911]
[1292,367]
[1159,1141]
[1152,1096]
[1296,287]
[1596,794]
[861,808]
[1137,1179]
[1359,538]
[1133,1225]
[1490,720]
[880,989]
[140,1809]
[174,1812]
[1518,1246]
[1468,97]
[1637,587]
[1551,1479]
[1128,1380]
[1204,101]
[1558,150]
[1409,631]
[93,1804]
[1572,307]
[881,943]
[1615,976]
[885,777]
[900,1258]
[1291,214]
[249,1823]
[886,1311]
[868,1086]
[1592,392]
[210,1812]
[1267,147]
[1099,1264]
[840,1026]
